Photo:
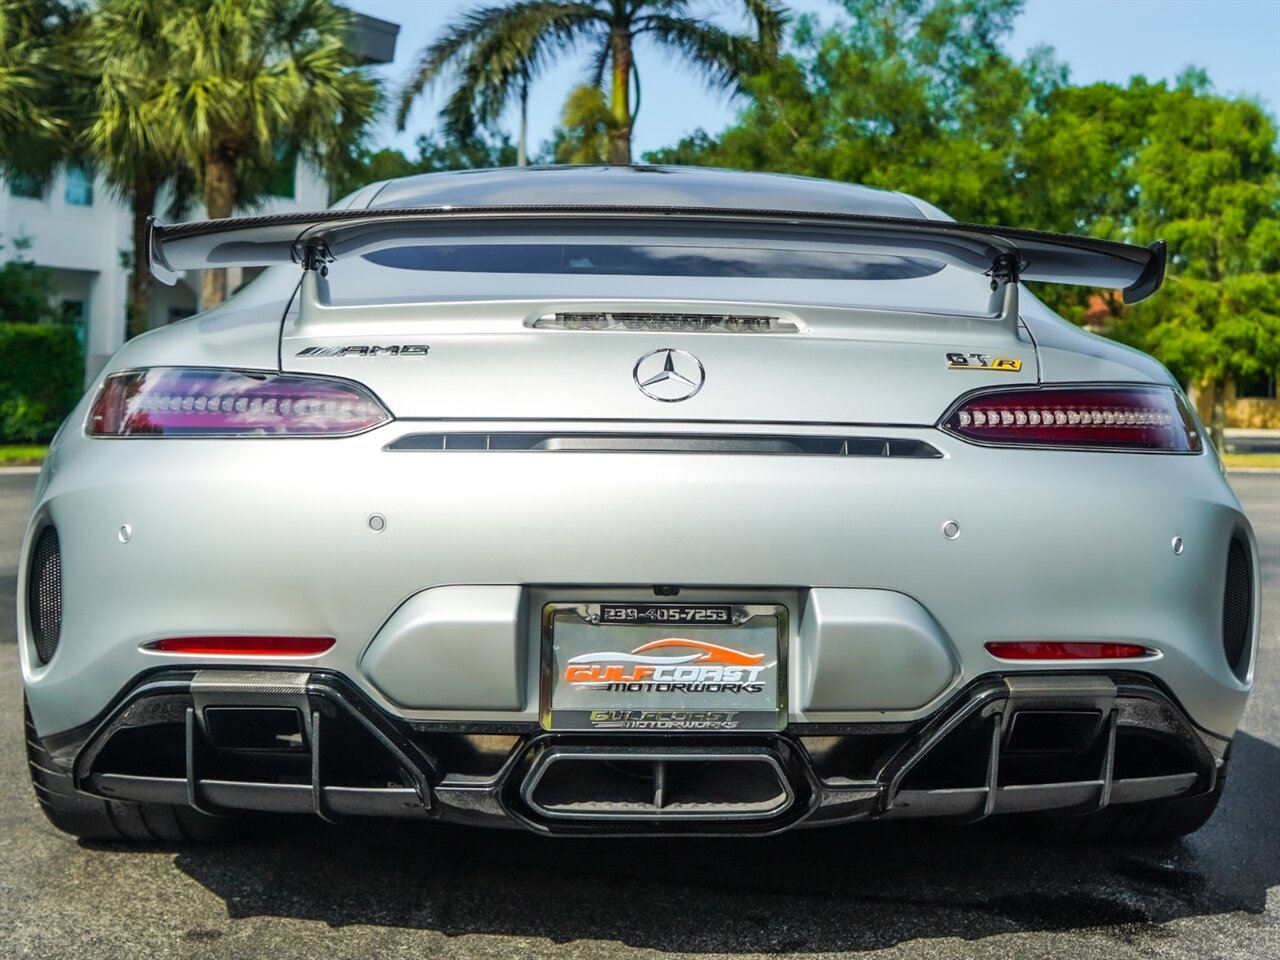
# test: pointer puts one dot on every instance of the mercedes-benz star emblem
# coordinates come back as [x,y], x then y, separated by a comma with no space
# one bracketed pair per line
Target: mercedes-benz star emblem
[669,375]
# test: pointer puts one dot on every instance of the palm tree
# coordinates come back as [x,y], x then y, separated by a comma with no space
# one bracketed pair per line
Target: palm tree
[496,49]
[237,84]
[134,149]
[36,106]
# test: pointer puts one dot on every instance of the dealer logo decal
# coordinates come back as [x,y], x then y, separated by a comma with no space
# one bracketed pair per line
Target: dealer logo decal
[703,668]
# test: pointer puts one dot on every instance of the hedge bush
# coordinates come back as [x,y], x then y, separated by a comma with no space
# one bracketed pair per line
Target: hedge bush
[41,378]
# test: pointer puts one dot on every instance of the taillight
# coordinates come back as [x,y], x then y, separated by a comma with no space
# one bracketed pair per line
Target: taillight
[1113,417]
[1066,650]
[245,646]
[192,402]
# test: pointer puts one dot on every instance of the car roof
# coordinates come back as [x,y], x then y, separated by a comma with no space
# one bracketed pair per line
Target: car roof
[642,186]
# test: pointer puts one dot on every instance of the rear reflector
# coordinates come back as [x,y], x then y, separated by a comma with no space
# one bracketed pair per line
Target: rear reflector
[1065,650]
[1114,418]
[245,646]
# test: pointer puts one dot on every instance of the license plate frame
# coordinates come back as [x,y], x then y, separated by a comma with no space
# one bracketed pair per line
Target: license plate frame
[605,629]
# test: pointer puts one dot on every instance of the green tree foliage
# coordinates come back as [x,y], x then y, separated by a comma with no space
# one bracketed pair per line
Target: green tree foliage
[494,52]
[911,95]
[40,381]
[27,291]
[42,375]
[135,147]
[486,148]
[917,95]
[237,83]
[586,125]
[1207,178]
[36,105]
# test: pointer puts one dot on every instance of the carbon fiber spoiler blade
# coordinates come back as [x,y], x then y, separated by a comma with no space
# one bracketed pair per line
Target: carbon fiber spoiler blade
[1004,253]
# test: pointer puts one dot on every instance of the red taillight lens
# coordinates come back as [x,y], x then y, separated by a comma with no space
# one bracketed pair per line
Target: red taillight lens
[189,402]
[1065,650]
[246,646]
[1116,418]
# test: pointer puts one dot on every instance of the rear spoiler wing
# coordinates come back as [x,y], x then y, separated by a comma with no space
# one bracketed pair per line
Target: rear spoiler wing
[1005,254]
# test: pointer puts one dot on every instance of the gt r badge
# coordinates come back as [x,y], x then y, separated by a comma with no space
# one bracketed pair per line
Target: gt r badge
[395,350]
[980,361]
[669,375]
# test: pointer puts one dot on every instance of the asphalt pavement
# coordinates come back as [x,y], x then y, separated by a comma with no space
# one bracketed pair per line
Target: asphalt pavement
[396,889]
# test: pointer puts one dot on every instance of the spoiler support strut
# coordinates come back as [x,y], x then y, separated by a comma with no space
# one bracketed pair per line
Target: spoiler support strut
[313,254]
[1005,271]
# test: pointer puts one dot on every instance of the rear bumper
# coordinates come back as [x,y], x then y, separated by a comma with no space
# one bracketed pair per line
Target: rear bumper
[981,754]
[273,537]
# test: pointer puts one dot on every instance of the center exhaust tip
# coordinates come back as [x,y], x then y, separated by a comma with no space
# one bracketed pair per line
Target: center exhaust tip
[573,783]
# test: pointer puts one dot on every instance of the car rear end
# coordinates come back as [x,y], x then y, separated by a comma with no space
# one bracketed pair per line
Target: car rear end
[692,548]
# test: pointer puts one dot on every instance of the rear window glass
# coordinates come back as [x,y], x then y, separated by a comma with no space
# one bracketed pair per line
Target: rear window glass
[654,260]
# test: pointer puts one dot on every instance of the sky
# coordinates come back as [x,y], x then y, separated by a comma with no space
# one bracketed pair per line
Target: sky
[1236,41]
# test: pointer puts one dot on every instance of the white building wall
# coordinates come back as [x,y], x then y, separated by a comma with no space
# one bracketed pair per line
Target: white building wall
[85,243]
[83,239]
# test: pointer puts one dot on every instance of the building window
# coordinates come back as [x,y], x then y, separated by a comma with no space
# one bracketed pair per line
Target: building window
[73,312]
[280,182]
[20,186]
[79,192]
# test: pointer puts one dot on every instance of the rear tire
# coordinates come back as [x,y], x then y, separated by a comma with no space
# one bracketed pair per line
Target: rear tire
[1162,820]
[90,818]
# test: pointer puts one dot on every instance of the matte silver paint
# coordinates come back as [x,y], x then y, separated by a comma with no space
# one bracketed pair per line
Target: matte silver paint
[877,649]
[452,648]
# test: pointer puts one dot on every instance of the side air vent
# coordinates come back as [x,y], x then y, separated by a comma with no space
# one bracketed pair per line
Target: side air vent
[666,322]
[1237,607]
[773,445]
[44,594]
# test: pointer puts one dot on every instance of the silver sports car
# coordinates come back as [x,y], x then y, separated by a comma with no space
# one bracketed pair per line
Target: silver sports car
[646,500]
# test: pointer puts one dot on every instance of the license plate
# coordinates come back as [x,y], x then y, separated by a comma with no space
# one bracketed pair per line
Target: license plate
[663,667]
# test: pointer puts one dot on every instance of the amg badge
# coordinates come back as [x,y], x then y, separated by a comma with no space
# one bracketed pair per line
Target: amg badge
[405,350]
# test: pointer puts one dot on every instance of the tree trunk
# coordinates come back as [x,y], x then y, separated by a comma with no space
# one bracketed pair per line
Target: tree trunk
[219,199]
[144,205]
[620,100]
[1218,419]
[522,150]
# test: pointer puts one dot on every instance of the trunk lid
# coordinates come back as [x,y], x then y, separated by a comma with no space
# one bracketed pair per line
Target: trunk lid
[481,360]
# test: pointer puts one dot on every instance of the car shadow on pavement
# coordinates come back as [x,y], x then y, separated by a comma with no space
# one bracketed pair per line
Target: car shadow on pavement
[842,889]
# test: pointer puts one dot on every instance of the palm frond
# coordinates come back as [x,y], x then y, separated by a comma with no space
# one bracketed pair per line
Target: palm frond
[722,58]
[180,81]
[600,62]
[38,100]
[771,19]
[489,49]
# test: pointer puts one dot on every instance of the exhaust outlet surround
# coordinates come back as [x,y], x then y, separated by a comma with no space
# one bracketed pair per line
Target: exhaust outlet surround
[668,783]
